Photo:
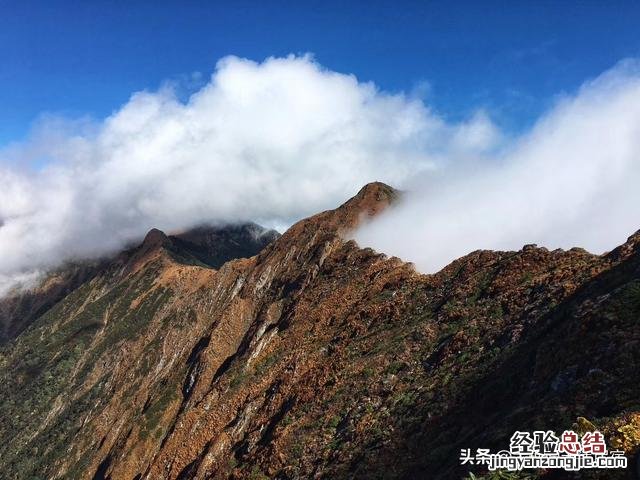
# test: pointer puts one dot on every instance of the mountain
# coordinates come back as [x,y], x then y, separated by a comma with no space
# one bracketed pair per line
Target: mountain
[315,358]
[20,308]
[207,246]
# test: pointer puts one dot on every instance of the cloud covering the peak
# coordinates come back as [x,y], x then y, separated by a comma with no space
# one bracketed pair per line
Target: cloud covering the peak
[270,142]
[572,180]
[276,141]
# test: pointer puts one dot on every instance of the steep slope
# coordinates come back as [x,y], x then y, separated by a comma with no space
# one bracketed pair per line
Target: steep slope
[206,245]
[19,309]
[319,359]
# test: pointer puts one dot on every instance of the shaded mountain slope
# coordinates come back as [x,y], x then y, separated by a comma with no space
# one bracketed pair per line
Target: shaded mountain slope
[214,246]
[318,359]
[19,309]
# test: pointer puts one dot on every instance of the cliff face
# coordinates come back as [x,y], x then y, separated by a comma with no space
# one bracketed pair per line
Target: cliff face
[316,358]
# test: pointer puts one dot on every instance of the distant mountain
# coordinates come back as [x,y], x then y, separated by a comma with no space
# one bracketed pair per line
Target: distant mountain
[314,358]
[215,246]
[207,246]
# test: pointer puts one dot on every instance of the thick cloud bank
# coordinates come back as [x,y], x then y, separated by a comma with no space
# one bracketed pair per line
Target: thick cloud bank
[276,141]
[573,180]
[270,142]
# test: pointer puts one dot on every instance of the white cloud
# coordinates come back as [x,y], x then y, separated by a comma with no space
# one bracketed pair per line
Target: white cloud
[276,141]
[270,142]
[573,180]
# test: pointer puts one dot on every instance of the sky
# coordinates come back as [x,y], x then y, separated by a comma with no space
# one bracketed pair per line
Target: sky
[505,123]
[512,58]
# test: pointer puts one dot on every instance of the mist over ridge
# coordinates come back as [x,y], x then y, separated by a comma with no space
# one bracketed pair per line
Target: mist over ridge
[276,141]
[571,181]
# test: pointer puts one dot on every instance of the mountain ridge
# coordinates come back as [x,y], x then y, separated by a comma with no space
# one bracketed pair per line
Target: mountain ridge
[316,358]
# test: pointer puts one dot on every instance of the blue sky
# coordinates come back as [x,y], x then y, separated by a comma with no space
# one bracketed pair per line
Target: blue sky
[511,58]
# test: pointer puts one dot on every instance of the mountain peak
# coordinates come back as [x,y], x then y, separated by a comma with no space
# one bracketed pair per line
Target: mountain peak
[370,200]
[155,238]
[373,196]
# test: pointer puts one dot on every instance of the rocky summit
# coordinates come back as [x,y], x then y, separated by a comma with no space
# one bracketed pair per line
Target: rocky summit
[238,353]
